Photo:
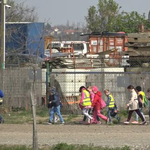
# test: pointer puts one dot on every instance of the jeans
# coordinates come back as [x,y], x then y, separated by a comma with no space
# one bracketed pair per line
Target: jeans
[136,115]
[109,114]
[53,111]
[1,119]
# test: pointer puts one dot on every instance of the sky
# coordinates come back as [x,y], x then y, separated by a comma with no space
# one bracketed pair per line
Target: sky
[59,12]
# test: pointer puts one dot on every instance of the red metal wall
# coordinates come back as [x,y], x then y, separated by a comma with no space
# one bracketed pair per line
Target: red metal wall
[99,43]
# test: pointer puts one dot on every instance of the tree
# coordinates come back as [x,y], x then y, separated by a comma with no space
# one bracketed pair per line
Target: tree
[108,17]
[20,12]
[129,22]
[93,22]
[104,17]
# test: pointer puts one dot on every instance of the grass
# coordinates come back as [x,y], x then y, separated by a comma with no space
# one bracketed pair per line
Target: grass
[21,116]
[63,146]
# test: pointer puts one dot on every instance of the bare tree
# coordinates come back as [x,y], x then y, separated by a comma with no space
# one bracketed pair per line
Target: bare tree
[20,12]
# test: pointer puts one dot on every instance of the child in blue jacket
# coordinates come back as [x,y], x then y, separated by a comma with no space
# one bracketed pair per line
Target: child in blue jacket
[1,102]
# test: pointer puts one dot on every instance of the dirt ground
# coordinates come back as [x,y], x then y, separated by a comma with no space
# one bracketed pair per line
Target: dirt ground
[135,136]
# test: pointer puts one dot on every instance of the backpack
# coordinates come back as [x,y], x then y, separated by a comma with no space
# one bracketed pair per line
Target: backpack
[103,104]
[1,119]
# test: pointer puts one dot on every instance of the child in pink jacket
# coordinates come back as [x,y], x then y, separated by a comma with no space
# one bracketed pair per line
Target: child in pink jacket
[97,105]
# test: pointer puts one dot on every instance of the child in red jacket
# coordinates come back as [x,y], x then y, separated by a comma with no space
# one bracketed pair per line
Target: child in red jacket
[97,105]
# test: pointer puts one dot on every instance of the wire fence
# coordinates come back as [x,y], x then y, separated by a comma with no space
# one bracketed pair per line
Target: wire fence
[114,79]
[101,61]
[17,85]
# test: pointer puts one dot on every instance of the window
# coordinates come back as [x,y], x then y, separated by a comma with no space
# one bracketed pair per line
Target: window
[78,46]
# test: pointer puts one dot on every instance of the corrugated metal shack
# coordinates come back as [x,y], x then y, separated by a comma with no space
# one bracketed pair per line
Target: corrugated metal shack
[25,37]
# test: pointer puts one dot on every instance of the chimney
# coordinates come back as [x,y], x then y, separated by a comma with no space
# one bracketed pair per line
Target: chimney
[141,28]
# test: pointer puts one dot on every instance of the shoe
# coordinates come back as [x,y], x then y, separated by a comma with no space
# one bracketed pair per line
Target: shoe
[99,122]
[107,121]
[118,119]
[63,123]
[56,119]
[81,122]
[110,123]
[135,122]
[143,123]
[49,123]
[126,122]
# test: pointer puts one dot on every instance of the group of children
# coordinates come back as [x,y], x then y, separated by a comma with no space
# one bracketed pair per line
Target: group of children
[91,100]
[92,103]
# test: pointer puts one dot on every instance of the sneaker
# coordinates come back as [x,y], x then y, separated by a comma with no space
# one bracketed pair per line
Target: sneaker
[56,119]
[118,119]
[82,122]
[49,123]
[99,122]
[1,121]
[135,122]
[143,123]
[63,123]
[126,122]
[110,123]
[107,121]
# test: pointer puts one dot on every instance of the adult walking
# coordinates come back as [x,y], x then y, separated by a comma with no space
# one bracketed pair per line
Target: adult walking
[133,105]
[97,105]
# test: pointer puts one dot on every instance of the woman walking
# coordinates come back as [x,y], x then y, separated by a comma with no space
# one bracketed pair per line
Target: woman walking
[133,105]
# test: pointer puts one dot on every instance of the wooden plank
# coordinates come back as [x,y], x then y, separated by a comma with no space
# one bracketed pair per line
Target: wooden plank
[138,49]
[139,35]
[137,45]
[138,40]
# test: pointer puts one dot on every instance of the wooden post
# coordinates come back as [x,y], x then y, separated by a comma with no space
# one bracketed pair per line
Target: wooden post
[35,141]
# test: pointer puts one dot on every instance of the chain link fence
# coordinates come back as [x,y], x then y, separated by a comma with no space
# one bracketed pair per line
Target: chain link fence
[114,79]
[17,85]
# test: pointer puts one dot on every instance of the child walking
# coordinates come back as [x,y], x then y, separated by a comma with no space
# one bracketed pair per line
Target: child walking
[85,102]
[112,108]
[142,102]
[89,89]
[133,105]
[149,103]
[97,105]
[55,106]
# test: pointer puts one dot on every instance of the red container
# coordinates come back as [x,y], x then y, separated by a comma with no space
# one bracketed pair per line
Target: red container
[107,41]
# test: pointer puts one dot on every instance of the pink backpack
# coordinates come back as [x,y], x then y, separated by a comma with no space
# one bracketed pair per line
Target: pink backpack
[103,104]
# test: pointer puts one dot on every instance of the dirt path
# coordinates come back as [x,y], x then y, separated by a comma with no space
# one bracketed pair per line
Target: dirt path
[99,135]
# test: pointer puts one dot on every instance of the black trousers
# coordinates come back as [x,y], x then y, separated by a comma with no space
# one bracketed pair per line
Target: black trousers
[137,111]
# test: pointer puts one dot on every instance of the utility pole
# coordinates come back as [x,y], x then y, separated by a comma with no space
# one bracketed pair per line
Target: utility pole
[3,3]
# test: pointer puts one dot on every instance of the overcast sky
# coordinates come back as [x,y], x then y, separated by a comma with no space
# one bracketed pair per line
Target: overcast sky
[59,11]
